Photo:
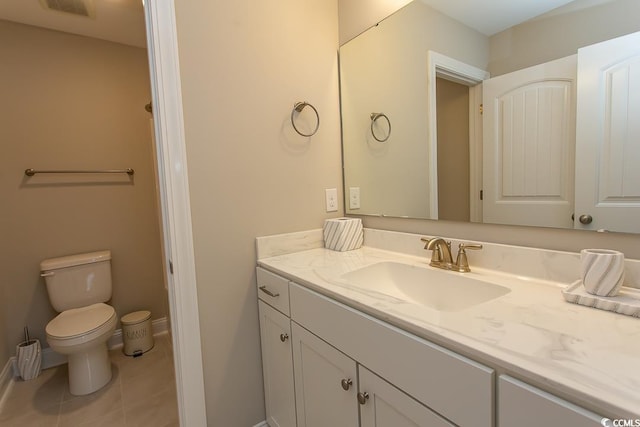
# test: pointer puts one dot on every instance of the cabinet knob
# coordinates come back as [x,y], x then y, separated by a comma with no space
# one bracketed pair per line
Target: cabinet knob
[363,397]
[284,337]
[585,219]
[346,383]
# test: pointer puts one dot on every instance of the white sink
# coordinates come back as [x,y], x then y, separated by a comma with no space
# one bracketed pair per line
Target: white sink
[437,289]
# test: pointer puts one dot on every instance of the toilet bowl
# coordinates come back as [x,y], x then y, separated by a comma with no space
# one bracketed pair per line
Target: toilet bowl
[82,334]
[78,287]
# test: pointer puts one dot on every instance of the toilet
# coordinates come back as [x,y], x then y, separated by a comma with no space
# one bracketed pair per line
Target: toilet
[78,287]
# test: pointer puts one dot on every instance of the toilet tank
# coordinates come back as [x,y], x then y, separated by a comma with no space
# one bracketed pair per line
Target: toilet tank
[78,280]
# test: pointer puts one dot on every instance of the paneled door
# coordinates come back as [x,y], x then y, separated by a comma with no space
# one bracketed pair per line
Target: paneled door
[608,136]
[325,382]
[529,145]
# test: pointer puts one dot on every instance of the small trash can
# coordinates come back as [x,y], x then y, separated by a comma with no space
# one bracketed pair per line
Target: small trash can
[136,333]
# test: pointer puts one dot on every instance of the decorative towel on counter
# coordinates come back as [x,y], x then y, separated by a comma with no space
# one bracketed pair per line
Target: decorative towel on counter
[342,234]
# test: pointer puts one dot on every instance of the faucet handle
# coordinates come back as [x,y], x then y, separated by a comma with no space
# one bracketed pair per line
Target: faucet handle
[462,263]
[463,246]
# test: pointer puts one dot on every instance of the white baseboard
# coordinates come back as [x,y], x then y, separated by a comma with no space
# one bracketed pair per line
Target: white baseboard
[50,358]
[262,424]
[6,381]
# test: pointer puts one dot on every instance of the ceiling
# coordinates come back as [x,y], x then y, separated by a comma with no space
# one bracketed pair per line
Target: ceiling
[120,21]
[492,16]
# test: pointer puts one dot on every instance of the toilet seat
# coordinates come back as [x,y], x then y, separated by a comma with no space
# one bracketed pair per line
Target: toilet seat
[84,322]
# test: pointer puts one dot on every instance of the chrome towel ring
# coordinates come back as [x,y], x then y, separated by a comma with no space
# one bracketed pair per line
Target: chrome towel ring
[298,107]
[374,117]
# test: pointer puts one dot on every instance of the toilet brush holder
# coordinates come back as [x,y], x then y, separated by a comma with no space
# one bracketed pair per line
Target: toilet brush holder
[29,356]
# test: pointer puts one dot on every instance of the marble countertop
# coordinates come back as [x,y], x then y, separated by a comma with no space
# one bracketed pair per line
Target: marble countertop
[590,355]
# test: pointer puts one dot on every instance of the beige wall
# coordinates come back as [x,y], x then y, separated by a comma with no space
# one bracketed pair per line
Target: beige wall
[453,150]
[243,65]
[561,34]
[71,102]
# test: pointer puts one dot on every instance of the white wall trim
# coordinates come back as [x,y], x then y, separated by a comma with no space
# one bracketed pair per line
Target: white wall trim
[451,69]
[475,153]
[176,213]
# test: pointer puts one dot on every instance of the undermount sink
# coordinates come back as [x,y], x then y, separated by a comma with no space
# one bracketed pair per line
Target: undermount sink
[436,289]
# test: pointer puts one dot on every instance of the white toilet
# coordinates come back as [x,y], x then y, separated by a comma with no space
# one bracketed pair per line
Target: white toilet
[78,287]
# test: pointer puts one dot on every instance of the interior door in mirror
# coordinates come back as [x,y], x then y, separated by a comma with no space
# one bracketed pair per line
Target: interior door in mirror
[608,136]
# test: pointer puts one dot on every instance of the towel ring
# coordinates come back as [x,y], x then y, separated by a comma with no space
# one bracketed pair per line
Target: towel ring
[374,117]
[299,106]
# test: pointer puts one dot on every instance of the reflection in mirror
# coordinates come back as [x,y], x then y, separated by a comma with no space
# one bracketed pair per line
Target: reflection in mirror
[444,161]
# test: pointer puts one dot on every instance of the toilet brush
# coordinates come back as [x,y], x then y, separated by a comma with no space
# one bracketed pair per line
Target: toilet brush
[29,357]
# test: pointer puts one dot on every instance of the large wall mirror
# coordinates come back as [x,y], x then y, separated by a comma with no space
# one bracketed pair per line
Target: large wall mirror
[533,119]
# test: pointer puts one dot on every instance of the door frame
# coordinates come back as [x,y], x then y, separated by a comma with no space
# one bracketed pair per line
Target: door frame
[180,271]
[440,65]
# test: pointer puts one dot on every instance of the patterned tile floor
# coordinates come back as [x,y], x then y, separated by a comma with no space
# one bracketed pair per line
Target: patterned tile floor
[141,393]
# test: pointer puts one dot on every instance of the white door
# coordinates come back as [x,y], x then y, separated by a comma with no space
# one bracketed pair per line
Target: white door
[277,367]
[529,144]
[386,406]
[325,381]
[608,135]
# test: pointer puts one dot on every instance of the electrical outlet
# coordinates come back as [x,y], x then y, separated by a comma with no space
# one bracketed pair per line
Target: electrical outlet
[331,195]
[354,197]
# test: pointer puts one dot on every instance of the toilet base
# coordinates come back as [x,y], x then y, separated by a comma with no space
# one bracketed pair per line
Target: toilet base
[89,370]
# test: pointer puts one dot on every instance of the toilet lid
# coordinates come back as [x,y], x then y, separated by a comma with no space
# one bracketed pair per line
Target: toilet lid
[79,321]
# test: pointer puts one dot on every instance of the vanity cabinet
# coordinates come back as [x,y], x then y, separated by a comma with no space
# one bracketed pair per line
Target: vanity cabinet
[277,359]
[457,388]
[332,389]
[522,405]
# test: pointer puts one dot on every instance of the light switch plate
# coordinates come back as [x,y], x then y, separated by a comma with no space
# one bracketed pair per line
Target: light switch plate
[331,195]
[354,197]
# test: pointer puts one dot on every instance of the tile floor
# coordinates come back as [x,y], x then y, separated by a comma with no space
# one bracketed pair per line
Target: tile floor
[141,393]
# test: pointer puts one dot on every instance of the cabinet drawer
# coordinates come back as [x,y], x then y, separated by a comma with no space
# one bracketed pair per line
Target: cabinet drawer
[522,405]
[457,388]
[273,289]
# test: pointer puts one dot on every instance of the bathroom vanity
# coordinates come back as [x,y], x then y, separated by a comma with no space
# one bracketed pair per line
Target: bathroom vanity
[345,343]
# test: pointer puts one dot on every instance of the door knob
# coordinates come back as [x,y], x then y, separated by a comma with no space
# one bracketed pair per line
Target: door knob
[346,383]
[284,337]
[585,219]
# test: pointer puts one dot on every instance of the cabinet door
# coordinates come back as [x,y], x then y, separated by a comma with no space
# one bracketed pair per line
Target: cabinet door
[325,381]
[386,406]
[522,405]
[277,367]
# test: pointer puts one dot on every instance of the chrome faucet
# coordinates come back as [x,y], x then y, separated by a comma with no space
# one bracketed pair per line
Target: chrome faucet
[441,257]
